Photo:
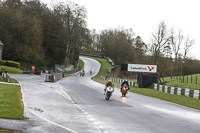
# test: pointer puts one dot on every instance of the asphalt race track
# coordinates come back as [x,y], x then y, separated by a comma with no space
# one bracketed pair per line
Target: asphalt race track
[77,104]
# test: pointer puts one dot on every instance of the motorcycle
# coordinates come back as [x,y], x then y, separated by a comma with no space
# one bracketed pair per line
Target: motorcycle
[83,74]
[124,90]
[108,93]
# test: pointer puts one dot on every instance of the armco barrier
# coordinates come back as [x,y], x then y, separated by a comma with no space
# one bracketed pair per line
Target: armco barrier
[71,71]
[118,80]
[26,72]
[178,91]
[60,69]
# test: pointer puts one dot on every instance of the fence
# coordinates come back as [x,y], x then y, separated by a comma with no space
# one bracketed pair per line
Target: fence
[178,91]
[68,70]
[193,79]
[118,80]
[189,79]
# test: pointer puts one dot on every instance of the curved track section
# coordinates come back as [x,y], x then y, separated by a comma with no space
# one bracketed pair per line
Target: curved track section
[77,104]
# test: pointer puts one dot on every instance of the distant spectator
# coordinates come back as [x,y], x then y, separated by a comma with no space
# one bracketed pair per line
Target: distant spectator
[0,72]
[6,71]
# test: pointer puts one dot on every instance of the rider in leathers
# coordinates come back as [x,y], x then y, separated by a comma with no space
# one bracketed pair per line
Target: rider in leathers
[109,83]
[123,83]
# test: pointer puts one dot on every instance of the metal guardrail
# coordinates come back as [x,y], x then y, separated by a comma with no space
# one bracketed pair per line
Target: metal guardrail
[118,80]
[72,71]
[90,55]
[61,69]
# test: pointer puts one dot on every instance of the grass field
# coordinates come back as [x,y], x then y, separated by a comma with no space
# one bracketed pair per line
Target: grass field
[178,83]
[12,70]
[182,100]
[11,106]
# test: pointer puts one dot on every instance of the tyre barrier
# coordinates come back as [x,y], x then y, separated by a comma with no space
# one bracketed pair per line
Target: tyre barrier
[178,91]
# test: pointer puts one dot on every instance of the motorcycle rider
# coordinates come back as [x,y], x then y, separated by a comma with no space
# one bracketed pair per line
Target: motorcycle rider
[123,83]
[83,73]
[109,83]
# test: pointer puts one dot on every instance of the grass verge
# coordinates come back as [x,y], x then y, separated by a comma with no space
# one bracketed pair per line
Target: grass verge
[2,79]
[11,106]
[182,100]
[81,64]
[2,130]
[12,70]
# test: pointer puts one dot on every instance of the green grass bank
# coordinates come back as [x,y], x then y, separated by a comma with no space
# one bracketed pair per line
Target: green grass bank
[12,70]
[11,106]
[187,82]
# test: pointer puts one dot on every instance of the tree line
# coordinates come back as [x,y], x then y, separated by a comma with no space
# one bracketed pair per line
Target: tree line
[168,49]
[35,34]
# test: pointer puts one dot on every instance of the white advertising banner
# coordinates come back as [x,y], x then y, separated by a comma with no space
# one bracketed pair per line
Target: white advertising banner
[142,68]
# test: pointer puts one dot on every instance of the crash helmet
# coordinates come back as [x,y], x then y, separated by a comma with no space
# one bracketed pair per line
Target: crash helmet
[109,80]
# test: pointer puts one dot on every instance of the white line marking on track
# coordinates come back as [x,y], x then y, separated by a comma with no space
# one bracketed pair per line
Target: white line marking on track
[56,124]
[87,116]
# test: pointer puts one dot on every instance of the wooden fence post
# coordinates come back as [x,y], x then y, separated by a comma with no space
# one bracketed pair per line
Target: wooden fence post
[196,79]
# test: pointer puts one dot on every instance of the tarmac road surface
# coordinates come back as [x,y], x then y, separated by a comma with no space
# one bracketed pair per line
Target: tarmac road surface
[77,104]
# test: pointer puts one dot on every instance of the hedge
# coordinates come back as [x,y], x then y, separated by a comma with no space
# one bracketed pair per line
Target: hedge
[2,62]
[13,64]
[9,63]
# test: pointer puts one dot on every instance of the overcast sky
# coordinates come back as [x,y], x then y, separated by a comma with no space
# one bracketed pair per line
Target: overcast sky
[143,16]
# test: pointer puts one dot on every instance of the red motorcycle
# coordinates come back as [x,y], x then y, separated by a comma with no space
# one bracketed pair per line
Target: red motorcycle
[124,90]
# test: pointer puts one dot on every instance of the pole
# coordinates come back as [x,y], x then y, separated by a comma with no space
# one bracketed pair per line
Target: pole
[171,69]
[181,67]
[196,79]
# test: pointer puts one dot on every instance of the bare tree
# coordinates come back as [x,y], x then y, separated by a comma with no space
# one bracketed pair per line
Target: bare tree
[188,43]
[176,42]
[160,39]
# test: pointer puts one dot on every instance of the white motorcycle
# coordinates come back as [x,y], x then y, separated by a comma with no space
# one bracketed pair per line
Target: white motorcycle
[108,93]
